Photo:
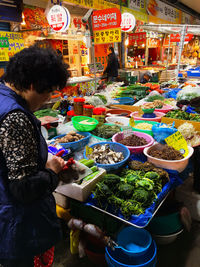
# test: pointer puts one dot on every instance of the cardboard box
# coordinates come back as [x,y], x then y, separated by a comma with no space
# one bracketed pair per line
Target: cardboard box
[80,192]
[178,122]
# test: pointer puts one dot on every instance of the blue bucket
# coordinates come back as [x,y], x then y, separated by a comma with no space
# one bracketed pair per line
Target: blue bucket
[117,259]
[134,241]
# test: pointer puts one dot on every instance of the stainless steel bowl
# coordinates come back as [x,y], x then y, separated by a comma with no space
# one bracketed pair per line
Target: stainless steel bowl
[166,239]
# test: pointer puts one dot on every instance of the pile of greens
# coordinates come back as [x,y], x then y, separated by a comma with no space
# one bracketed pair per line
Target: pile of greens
[179,114]
[135,91]
[106,131]
[132,192]
[155,97]
[46,112]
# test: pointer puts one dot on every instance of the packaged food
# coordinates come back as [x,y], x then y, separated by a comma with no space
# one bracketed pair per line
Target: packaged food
[88,110]
[99,114]
[78,105]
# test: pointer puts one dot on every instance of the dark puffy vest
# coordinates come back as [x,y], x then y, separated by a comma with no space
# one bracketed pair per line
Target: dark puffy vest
[25,230]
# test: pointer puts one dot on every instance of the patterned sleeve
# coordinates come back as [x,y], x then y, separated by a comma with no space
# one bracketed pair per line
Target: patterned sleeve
[18,144]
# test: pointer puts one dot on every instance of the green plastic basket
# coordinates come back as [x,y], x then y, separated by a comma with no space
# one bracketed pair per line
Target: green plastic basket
[76,121]
[145,131]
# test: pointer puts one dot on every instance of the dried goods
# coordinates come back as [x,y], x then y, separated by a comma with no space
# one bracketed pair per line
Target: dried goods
[70,137]
[133,140]
[106,131]
[166,152]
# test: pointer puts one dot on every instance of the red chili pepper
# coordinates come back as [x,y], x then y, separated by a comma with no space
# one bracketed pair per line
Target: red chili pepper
[60,153]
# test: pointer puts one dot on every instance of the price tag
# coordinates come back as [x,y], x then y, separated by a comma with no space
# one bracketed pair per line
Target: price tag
[178,142]
[132,122]
[89,150]
[127,132]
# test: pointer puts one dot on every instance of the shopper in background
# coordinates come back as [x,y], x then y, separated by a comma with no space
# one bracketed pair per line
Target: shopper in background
[112,66]
[146,77]
[28,222]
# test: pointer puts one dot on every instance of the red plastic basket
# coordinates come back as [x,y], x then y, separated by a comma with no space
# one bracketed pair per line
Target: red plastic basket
[45,259]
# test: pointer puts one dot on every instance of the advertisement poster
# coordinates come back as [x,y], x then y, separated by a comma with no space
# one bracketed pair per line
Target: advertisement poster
[163,11]
[107,36]
[137,4]
[137,38]
[16,44]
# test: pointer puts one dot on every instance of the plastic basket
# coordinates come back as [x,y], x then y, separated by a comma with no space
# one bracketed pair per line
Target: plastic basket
[76,121]
[77,145]
[145,131]
[125,100]
[117,148]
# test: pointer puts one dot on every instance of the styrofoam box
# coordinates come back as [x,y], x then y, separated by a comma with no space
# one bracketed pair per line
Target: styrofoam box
[80,192]
[61,200]
[186,194]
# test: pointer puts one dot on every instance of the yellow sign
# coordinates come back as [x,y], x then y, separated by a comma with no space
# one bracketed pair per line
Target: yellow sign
[16,44]
[178,142]
[132,122]
[107,36]
[137,14]
[95,4]
[89,150]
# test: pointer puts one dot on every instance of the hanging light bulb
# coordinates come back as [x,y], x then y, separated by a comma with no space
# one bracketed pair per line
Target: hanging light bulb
[126,42]
[23,23]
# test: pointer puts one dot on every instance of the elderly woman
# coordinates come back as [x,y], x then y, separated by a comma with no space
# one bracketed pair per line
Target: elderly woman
[28,222]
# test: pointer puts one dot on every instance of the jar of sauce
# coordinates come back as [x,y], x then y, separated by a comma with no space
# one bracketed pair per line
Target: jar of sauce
[78,105]
[88,110]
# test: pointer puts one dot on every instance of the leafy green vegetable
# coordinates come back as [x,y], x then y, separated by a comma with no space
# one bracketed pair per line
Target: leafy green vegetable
[179,114]
[106,131]
[146,183]
[155,97]
[125,190]
[103,98]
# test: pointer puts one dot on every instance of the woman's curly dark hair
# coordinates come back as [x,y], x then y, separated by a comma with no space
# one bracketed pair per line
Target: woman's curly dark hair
[39,67]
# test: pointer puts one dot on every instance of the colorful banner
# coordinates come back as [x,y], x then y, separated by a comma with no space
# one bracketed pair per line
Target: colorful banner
[137,38]
[137,4]
[101,54]
[106,19]
[16,44]
[35,18]
[177,37]
[163,11]
[95,4]
[140,16]
[107,36]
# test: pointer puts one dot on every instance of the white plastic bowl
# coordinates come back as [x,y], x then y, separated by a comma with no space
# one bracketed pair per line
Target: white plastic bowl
[166,239]
[124,121]
[177,165]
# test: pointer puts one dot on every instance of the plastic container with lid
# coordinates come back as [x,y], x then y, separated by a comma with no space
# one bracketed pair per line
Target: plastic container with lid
[70,114]
[88,110]
[99,114]
[78,105]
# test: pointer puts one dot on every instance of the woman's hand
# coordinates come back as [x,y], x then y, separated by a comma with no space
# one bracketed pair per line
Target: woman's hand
[56,164]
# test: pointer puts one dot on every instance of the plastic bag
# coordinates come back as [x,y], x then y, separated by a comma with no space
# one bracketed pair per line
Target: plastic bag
[188,93]
[162,131]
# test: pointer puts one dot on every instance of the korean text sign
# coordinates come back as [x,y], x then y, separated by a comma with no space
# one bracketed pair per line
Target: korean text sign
[107,36]
[16,44]
[106,19]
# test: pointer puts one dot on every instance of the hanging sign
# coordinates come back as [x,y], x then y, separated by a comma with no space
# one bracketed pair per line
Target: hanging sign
[106,19]
[58,18]
[177,37]
[4,42]
[153,43]
[137,38]
[137,4]
[128,22]
[107,36]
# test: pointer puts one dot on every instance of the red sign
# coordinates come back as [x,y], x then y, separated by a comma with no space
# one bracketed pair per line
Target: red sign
[137,38]
[177,37]
[58,18]
[106,19]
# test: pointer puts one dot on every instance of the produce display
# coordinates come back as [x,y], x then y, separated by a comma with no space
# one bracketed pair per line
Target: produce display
[166,152]
[182,115]
[133,140]
[87,122]
[106,131]
[189,133]
[70,137]
[154,97]
[143,126]
[46,112]
[132,191]
[136,91]
[102,154]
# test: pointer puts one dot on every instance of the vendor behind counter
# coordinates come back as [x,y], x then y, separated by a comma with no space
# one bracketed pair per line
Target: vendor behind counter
[146,77]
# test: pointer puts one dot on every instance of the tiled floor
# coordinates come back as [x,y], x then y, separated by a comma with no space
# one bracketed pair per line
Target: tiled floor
[184,252]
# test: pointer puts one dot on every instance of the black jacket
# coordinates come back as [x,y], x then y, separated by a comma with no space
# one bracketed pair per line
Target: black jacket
[113,65]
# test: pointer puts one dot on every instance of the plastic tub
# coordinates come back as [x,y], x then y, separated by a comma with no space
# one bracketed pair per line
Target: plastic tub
[76,121]
[144,131]
[158,117]
[124,121]
[117,112]
[77,144]
[135,149]
[177,165]
[166,108]
[125,101]
[116,259]
[166,239]
[117,148]
[165,224]
[134,241]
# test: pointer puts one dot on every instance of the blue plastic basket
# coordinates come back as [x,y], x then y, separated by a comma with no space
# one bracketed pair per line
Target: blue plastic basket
[117,148]
[77,145]
[115,259]
[125,100]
